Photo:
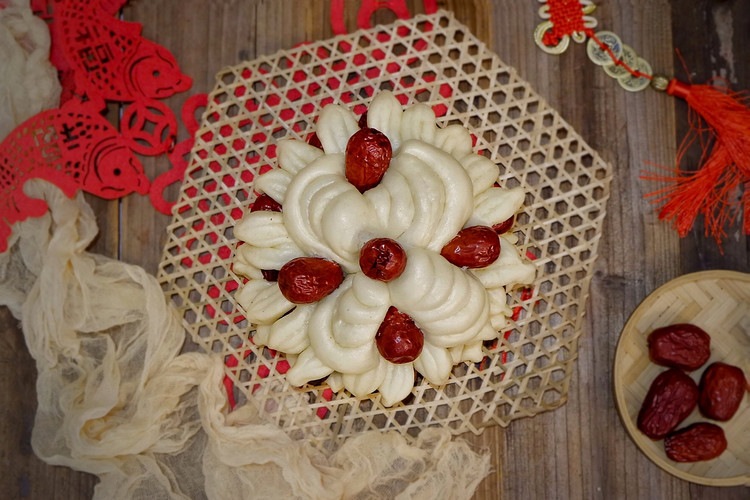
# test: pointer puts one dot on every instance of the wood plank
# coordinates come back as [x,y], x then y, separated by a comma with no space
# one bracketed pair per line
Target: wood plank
[580,450]
[713,43]
[25,475]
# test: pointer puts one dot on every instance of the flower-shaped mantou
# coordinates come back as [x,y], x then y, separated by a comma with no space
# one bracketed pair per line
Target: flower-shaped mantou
[376,253]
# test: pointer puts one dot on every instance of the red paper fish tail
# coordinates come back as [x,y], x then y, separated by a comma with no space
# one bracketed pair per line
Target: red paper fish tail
[4,235]
[111,7]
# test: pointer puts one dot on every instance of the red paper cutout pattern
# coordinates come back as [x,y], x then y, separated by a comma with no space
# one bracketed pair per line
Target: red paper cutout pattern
[100,58]
[73,148]
[105,58]
[141,116]
[232,362]
[178,155]
[368,8]
[109,57]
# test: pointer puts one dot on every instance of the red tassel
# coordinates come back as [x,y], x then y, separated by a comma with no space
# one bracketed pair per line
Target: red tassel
[720,120]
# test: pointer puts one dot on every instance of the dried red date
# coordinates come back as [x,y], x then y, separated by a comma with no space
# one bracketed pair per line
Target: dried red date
[368,155]
[473,247]
[314,141]
[681,346]
[504,227]
[362,120]
[697,442]
[270,274]
[670,399]
[382,259]
[308,279]
[722,388]
[399,339]
[265,202]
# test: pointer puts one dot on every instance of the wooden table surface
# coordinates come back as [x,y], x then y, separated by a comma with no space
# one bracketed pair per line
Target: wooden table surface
[580,450]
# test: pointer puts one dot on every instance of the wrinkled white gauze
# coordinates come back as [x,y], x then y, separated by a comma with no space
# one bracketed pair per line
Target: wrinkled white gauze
[117,399]
[28,83]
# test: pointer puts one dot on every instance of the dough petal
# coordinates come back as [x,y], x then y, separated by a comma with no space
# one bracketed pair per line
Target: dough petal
[384,115]
[359,354]
[397,383]
[434,363]
[307,367]
[274,183]
[336,125]
[496,205]
[262,301]
[295,155]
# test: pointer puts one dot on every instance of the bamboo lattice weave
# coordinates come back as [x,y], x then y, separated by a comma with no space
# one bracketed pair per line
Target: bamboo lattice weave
[437,61]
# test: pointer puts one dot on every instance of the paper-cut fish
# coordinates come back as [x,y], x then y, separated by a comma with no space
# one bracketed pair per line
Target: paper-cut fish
[73,148]
[108,57]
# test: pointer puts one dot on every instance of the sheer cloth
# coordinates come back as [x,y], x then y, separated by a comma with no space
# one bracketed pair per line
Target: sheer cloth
[118,399]
[28,83]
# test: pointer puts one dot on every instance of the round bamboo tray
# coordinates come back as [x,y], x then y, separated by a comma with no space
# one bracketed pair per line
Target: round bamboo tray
[718,302]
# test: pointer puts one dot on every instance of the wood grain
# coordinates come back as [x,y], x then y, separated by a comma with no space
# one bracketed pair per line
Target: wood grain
[582,449]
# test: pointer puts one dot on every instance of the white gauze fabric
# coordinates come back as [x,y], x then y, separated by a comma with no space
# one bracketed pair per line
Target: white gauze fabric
[29,82]
[118,399]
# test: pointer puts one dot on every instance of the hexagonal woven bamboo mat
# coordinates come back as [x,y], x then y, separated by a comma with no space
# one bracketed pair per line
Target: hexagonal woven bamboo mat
[430,59]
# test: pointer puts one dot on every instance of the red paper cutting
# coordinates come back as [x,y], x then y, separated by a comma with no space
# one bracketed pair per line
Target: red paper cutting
[150,126]
[104,58]
[178,156]
[109,57]
[100,58]
[368,8]
[73,148]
